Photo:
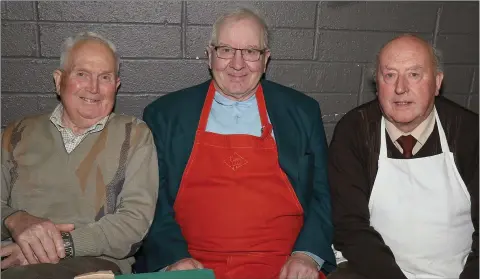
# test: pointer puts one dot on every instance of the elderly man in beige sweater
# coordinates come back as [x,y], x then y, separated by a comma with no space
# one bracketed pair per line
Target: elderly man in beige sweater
[79,185]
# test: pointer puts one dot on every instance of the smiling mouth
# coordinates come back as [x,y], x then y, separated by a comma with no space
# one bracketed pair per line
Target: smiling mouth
[237,76]
[404,103]
[90,101]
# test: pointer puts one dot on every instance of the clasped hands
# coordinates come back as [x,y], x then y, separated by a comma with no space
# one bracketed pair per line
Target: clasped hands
[298,266]
[36,240]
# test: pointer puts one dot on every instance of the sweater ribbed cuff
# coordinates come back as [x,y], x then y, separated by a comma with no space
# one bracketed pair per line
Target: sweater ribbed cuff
[84,242]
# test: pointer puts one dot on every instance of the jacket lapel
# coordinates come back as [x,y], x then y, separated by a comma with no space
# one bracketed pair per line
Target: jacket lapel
[188,121]
[283,130]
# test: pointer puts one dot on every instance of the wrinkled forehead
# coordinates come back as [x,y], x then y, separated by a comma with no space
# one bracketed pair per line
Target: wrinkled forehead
[90,49]
[241,29]
[407,50]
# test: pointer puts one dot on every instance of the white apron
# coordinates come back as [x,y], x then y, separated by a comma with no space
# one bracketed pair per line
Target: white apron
[421,207]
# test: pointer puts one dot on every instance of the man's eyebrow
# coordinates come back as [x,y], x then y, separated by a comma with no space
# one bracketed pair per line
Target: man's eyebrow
[246,47]
[88,71]
[415,67]
[389,68]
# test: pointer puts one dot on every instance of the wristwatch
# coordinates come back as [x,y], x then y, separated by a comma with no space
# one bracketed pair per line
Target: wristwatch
[68,245]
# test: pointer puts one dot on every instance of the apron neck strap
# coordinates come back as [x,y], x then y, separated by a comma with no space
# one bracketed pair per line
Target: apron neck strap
[383,142]
[262,107]
[441,133]
[207,106]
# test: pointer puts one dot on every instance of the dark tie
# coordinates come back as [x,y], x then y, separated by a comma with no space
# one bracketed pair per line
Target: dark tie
[407,143]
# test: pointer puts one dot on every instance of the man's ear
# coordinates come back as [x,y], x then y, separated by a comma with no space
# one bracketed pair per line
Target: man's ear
[438,82]
[208,52]
[266,57]
[57,76]
[117,83]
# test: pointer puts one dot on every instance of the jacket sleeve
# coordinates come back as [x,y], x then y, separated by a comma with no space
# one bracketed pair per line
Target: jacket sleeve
[120,234]
[360,244]
[317,232]
[164,244]
[6,178]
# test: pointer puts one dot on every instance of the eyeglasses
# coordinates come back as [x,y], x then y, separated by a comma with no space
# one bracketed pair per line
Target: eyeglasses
[248,54]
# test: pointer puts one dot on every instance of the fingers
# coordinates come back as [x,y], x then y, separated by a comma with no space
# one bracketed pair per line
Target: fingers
[197,264]
[283,273]
[38,248]
[7,250]
[295,269]
[50,247]
[65,227]
[186,264]
[8,262]
[15,256]
[57,242]
[28,253]
[40,240]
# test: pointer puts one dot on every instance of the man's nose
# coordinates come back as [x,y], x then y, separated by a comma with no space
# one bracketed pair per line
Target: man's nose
[400,85]
[94,85]
[237,61]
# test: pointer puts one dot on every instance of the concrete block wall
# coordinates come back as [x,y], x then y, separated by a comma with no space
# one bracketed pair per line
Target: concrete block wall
[324,49]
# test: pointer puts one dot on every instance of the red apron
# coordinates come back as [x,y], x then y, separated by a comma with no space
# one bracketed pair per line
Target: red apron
[235,206]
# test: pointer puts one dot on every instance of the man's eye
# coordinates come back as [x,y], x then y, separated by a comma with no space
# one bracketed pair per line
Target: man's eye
[389,75]
[226,49]
[80,74]
[107,77]
[250,51]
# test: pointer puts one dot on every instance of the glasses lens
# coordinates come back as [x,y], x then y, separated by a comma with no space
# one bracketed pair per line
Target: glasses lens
[251,54]
[225,52]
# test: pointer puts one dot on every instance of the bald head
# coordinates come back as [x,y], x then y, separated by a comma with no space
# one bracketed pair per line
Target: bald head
[412,43]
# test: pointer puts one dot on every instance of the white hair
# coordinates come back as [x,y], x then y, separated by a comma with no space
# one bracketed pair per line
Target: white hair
[238,14]
[70,42]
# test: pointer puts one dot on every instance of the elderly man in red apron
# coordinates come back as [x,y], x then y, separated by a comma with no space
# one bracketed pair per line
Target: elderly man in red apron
[253,199]
[404,175]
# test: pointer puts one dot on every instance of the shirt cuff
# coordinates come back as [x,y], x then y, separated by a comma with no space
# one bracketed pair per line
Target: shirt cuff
[316,258]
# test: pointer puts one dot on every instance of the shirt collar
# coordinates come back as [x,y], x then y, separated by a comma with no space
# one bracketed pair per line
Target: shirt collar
[224,101]
[56,119]
[420,133]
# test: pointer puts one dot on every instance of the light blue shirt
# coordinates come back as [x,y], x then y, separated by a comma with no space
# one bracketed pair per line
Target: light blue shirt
[229,117]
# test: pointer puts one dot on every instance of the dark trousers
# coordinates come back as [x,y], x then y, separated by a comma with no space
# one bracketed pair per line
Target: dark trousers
[344,272]
[65,269]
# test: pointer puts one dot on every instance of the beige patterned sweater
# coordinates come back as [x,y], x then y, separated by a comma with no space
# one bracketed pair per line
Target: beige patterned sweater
[107,186]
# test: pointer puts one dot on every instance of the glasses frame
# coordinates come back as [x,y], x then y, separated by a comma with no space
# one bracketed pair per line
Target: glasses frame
[262,52]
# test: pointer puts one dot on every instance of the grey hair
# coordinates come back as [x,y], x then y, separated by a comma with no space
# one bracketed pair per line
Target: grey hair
[238,14]
[436,55]
[70,42]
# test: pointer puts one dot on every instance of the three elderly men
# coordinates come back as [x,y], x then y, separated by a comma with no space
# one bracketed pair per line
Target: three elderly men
[242,171]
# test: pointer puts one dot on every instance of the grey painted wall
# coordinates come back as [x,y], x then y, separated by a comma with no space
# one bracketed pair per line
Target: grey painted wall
[324,49]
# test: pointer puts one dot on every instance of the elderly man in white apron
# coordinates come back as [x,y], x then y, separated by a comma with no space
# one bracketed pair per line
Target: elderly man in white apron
[413,217]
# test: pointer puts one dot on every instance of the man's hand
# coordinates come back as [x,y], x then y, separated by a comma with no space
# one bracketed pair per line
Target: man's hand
[13,256]
[185,264]
[38,238]
[299,266]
